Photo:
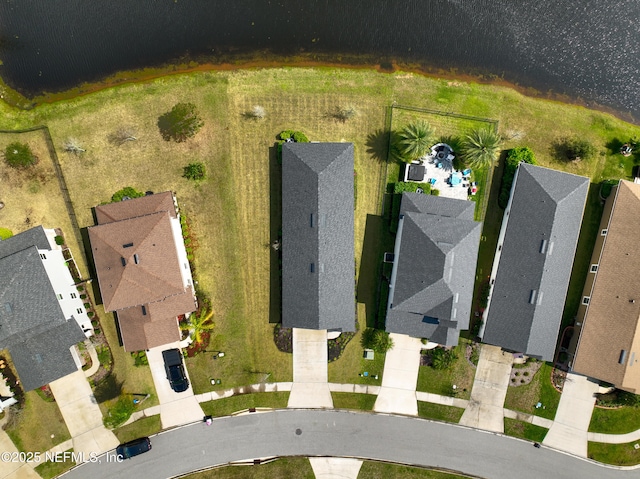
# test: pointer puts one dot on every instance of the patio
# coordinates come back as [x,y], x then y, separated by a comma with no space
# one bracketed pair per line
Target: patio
[451,183]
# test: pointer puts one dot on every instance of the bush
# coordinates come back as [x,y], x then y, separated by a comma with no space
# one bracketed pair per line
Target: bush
[296,136]
[606,186]
[575,149]
[127,192]
[411,187]
[194,171]
[376,339]
[442,358]
[140,358]
[5,233]
[19,155]
[59,240]
[181,123]
[90,314]
[514,157]
[617,398]
[435,192]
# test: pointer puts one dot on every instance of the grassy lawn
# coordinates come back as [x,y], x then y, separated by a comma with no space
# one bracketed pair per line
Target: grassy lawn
[146,426]
[615,421]
[37,415]
[439,412]
[617,454]
[364,402]
[524,398]
[227,406]
[441,381]
[289,467]
[49,470]
[524,430]
[300,468]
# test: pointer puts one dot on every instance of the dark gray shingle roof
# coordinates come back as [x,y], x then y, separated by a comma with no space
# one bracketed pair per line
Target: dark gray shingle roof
[535,261]
[317,236]
[435,268]
[32,324]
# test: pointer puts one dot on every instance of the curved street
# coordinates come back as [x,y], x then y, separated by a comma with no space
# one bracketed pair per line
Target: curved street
[346,434]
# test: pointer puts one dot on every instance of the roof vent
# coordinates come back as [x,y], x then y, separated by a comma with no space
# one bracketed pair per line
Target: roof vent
[632,300]
[128,245]
[38,357]
[8,308]
[144,310]
[123,261]
[136,259]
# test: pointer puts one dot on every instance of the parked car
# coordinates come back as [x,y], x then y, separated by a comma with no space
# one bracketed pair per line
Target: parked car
[133,448]
[174,367]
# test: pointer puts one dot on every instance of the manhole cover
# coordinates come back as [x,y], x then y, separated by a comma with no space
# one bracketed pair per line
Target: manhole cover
[298,432]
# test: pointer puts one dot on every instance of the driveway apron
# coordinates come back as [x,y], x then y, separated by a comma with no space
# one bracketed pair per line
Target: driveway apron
[310,387]
[175,408]
[485,410]
[570,426]
[82,414]
[400,377]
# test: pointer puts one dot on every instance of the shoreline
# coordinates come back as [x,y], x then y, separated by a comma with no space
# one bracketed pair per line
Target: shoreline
[16,99]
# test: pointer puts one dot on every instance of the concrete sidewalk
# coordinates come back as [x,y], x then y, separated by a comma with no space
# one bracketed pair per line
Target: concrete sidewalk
[335,467]
[570,426]
[310,387]
[486,406]
[13,470]
[400,377]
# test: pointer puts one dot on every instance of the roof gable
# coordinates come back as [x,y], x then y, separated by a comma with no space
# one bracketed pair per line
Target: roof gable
[136,260]
[132,208]
[535,260]
[317,236]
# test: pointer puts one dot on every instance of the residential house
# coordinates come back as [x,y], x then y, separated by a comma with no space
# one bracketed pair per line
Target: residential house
[142,268]
[606,341]
[318,270]
[434,268]
[42,317]
[533,262]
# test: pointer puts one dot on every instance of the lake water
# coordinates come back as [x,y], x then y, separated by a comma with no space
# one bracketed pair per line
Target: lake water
[588,49]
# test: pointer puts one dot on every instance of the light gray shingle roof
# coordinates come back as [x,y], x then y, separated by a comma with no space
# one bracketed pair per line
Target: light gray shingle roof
[435,268]
[32,325]
[317,236]
[535,262]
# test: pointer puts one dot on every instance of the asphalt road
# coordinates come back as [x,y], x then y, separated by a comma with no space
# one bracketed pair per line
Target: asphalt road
[345,434]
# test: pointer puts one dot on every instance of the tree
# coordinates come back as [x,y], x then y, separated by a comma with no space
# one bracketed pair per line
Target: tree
[414,140]
[577,149]
[73,146]
[19,155]
[515,156]
[181,123]
[481,147]
[442,358]
[200,323]
[122,135]
[194,171]
[376,339]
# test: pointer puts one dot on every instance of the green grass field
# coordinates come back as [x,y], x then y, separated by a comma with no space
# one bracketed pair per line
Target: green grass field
[615,421]
[439,412]
[524,398]
[363,402]
[617,454]
[524,430]
[461,373]
[230,405]
[146,426]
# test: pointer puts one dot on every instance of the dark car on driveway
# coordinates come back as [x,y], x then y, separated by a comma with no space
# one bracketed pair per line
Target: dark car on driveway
[133,448]
[174,367]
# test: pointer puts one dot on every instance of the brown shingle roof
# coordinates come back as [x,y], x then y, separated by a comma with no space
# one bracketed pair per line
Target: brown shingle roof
[146,205]
[611,324]
[136,261]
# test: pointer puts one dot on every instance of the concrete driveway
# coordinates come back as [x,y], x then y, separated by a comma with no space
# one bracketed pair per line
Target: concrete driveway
[570,426]
[82,414]
[310,387]
[485,410]
[400,377]
[335,467]
[175,408]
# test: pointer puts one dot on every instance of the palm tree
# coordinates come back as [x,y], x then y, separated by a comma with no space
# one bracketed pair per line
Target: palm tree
[480,148]
[200,323]
[414,140]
